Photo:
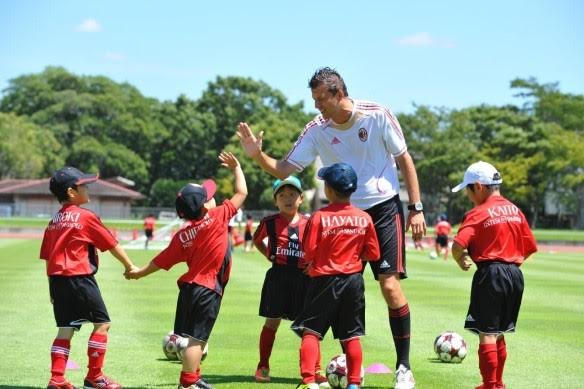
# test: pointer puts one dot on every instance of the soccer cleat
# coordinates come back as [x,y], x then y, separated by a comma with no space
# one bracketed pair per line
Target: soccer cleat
[404,378]
[262,375]
[200,384]
[321,381]
[101,382]
[60,385]
[312,385]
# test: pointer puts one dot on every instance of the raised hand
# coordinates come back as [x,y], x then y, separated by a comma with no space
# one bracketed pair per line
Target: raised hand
[251,144]
[228,160]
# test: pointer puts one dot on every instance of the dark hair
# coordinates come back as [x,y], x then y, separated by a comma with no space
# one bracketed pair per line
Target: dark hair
[490,188]
[329,77]
[63,196]
[341,195]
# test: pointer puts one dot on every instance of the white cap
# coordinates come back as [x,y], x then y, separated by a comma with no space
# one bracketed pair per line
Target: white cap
[482,172]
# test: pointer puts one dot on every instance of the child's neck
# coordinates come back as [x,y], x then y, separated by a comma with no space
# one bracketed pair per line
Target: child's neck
[293,218]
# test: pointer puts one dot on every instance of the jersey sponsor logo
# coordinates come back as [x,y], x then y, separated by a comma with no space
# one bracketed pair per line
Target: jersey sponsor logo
[66,220]
[502,214]
[343,221]
[187,236]
[363,134]
[335,141]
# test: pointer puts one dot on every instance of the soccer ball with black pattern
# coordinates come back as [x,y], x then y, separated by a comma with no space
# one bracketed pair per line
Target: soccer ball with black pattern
[336,372]
[450,347]
[173,346]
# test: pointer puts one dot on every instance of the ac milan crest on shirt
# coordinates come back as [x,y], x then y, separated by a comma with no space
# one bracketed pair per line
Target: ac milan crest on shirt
[363,135]
[335,141]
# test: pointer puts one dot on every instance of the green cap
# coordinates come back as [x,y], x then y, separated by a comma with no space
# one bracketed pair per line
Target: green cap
[291,180]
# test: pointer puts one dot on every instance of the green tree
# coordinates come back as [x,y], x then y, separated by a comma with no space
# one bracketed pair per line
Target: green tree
[26,150]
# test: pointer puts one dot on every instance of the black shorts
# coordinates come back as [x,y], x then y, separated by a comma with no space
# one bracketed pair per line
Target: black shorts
[148,233]
[495,298]
[283,292]
[197,309]
[334,301]
[248,236]
[77,300]
[388,217]
[442,240]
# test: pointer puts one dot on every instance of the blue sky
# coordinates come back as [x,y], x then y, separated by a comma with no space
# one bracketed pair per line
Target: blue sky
[445,53]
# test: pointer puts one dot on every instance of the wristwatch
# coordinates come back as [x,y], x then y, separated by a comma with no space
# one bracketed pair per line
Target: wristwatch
[418,207]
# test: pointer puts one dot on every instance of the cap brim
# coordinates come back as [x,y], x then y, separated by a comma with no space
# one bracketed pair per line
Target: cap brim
[458,187]
[321,172]
[287,183]
[210,187]
[87,179]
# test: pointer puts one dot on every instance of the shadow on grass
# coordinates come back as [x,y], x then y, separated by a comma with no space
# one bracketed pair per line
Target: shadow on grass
[230,379]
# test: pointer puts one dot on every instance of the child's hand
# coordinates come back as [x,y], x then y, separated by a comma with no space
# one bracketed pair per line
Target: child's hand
[133,274]
[228,160]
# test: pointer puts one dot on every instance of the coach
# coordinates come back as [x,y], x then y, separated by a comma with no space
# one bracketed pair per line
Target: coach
[369,138]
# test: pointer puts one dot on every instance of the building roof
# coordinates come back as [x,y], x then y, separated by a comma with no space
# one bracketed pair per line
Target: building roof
[41,187]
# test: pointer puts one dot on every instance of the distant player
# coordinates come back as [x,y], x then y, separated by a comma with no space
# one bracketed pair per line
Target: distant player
[248,235]
[285,282]
[496,237]
[69,247]
[442,230]
[337,239]
[149,225]
[203,244]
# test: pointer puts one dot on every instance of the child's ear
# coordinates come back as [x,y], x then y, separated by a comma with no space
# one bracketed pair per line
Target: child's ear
[71,193]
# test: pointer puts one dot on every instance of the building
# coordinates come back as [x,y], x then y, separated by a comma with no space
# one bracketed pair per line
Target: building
[32,198]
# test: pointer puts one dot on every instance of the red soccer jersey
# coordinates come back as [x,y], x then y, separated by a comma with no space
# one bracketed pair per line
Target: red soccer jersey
[70,242]
[284,243]
[443,228]
[203,245]
[496,230]
[336,238]
[149,223]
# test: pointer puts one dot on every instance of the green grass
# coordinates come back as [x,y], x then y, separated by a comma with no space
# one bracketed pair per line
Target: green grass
[546,351]
[132,224]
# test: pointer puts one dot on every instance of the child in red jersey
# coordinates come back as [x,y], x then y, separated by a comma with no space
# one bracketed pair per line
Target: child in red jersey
[248,235]
[336,241]
[69,249]
[278,237]
[202,243]
[496,237]
[149,225]
[442,229]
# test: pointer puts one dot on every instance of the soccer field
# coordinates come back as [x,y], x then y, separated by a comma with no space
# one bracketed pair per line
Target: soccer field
[546,351]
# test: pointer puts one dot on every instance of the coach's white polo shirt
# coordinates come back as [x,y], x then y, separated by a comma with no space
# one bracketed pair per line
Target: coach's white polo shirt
[368,141]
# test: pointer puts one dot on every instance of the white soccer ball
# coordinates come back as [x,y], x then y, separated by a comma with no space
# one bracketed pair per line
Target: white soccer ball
[450,347]
[336,372]
[172,345]
[433,255]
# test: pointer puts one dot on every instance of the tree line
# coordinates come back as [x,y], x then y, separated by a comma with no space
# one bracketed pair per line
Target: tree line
[54,118]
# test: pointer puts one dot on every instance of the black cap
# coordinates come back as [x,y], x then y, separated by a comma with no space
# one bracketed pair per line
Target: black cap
[192,197]
[69,177]
[340,176]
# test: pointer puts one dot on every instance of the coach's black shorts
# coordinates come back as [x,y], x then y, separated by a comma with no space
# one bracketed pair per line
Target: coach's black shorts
[495,298]
[334,301]
[197,309]
[283,292]
[77,300]
[149,233]
[442,240]
[388,217]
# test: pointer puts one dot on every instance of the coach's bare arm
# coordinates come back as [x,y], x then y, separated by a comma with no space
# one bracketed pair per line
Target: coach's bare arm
[415,219]
[252,145]
[461,257]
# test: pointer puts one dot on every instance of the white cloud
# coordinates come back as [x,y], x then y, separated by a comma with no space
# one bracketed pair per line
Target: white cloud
[116,57]
[89,25]
[423,39]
